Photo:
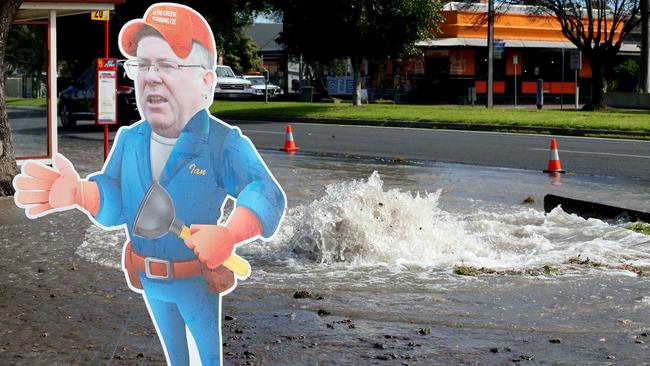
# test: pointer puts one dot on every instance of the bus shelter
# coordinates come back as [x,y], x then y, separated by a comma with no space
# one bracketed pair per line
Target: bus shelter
[31,87]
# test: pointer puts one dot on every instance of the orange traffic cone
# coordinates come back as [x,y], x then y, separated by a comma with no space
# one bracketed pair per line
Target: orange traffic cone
[289,144]
[554,165]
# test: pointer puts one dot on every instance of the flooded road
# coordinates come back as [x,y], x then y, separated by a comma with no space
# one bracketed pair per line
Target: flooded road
[376,246]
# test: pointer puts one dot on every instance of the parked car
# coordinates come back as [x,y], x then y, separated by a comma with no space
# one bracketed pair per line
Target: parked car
[77,102]
[258,87]
[231,86]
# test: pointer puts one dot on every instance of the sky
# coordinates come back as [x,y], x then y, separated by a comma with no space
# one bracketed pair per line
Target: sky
[262,18]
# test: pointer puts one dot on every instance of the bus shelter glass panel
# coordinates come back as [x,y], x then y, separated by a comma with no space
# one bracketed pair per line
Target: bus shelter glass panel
[26,89]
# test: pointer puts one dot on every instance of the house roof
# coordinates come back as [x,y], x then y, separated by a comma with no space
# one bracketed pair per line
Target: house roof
[264,35]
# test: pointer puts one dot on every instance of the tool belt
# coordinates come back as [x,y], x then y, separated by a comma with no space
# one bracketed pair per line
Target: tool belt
[218,279]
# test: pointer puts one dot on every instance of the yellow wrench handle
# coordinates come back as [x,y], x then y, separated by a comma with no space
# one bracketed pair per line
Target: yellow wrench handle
[234,263]
[238,265]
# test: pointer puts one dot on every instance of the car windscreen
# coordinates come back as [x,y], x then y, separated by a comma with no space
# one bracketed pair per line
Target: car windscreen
[87,79]
[256,81]
[225,72]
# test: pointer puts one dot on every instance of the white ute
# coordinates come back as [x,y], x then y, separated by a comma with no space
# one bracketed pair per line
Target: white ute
[230,86]
[258,87]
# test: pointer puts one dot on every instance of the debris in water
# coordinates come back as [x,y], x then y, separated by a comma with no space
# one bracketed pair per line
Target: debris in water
[322,312]
[639,227]
[302,295]
[583,262]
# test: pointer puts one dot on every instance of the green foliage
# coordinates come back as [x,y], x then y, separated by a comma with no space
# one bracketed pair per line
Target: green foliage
[371,29]
[625,77]
[81,40]
[639,227]
[26,50]
[240,53]
[465,271]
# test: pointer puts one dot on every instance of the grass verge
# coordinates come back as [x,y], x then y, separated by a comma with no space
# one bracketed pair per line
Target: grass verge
[617,120]
[26,102]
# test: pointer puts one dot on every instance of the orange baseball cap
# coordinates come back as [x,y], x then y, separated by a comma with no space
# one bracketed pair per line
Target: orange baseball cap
[178,24]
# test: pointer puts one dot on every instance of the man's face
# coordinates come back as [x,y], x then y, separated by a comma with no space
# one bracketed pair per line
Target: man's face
[168,101]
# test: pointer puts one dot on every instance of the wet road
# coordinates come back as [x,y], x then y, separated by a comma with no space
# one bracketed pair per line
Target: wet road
[595,156]
[592,156]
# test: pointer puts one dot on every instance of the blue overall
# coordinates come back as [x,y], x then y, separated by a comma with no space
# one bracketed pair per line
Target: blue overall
[209,162]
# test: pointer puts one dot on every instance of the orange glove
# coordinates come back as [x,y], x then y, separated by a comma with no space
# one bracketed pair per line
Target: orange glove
[41,190]
[213,244]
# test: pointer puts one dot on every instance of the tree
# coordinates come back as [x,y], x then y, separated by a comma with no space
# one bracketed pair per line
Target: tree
[240,53]
[8,167]
[227,18]
[26,48]
[324,30]
[598,29]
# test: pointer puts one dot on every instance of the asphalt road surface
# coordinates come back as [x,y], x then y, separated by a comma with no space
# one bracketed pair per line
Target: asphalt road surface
[595,156]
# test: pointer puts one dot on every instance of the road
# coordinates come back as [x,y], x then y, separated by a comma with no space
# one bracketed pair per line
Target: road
[595,156]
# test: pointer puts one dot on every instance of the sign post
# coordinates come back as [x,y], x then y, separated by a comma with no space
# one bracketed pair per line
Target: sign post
[106,96]
[104,15]
[576,64]
[515,61]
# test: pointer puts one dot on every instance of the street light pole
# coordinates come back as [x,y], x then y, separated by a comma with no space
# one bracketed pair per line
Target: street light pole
[490,44]
[645,56]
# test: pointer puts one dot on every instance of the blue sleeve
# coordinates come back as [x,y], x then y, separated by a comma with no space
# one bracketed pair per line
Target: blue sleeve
[109,184]
[246,177]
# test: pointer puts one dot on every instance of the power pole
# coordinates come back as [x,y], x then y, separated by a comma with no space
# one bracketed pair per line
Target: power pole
[645,64]
[490,44]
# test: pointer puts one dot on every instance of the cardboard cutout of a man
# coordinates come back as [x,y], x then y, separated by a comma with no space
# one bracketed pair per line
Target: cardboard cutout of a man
[200,162]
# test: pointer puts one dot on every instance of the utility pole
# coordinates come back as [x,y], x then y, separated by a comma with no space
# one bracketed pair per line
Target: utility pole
[490,44]
[645,63]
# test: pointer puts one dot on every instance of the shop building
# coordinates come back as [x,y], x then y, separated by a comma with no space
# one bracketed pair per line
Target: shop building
[528,46]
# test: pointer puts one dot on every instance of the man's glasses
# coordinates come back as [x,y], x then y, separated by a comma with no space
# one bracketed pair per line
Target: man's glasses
[163,67]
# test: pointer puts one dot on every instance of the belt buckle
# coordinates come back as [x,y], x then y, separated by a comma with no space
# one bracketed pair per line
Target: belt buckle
[147,268]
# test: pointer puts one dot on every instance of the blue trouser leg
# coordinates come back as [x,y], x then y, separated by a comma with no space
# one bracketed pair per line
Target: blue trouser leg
[179,302]
[201,314]
[172,330]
